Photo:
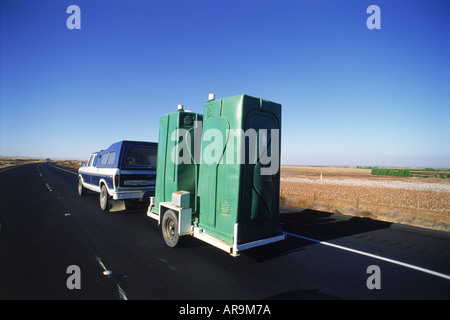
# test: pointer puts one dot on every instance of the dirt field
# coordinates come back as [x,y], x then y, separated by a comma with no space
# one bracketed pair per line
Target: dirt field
[415,201]
[75,164]
[9,161]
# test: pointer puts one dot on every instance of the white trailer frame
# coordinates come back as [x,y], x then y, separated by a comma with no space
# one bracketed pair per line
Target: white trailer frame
[185,227]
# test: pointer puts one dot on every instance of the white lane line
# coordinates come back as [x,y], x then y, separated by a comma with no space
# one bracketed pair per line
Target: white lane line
[107,272]
[101,264]
[122,294]
[407,265]
[63,169]
[37,167]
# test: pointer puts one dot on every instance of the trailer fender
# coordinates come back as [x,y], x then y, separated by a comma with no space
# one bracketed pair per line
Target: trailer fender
[184,216]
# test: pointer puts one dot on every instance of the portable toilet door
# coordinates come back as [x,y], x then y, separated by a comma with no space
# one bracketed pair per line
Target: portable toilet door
[237,193]
[259,212]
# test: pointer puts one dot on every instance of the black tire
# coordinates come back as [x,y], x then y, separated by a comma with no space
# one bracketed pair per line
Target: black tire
[81,188]
[104,198]
[169,228]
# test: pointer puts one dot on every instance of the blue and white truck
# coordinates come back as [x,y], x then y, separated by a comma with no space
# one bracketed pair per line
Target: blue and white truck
[124,171]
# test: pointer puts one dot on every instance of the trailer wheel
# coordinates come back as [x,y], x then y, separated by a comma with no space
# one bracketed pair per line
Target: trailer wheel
[81,188]
[170,228]
[104,198]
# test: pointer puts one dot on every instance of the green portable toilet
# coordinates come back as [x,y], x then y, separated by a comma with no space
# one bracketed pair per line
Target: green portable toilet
[239,176]
[218,176]
[176,168]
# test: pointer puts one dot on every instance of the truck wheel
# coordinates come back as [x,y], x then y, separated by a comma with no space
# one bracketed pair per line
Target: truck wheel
[81,188]
[104,198]
[170,228]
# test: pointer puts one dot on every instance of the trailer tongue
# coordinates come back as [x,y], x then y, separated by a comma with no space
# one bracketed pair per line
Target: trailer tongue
[217,176]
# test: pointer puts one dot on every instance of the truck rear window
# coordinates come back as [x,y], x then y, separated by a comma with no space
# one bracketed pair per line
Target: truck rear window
[141,157]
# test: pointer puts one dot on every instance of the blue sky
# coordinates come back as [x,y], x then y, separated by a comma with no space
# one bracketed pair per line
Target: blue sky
[349,95]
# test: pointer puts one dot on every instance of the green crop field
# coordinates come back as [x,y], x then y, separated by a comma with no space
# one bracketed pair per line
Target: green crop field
[392,172]
[423,173]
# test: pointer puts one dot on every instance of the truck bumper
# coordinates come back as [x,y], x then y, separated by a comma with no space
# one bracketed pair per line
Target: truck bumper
[140,194]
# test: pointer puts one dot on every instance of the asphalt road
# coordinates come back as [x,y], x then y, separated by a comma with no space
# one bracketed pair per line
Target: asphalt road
[45,227]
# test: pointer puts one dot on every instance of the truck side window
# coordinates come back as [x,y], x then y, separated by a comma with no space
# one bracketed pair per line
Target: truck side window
[90,161]
[104,158]
[111,158]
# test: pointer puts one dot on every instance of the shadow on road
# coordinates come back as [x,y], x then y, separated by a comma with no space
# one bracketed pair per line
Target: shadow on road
[323,226]
[326,226]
